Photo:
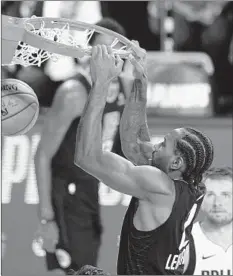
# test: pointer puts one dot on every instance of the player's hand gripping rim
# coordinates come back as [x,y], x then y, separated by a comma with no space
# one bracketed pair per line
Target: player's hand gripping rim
[138,60]
[104,65]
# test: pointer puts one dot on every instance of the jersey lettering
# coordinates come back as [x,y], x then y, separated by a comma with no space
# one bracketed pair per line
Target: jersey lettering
[216,272]
[188,222]
[175,261]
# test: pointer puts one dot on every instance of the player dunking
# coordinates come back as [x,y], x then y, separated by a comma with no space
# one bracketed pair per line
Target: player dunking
[166,187]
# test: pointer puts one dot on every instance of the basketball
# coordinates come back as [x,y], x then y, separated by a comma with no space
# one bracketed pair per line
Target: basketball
[20,107]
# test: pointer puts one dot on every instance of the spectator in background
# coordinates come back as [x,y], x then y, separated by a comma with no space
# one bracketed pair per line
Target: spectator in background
[192,19]
[213,235]
[207,26]
[201,26]
[133,16]
[69,212]
[10,8]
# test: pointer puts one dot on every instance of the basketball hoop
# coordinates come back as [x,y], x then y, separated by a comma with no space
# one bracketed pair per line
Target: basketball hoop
[31,41]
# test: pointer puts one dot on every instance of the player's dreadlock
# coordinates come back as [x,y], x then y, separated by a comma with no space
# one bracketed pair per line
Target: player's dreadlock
[197,151]
[208,147]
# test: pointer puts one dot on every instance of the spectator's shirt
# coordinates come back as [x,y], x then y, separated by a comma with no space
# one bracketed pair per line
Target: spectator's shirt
[211,259]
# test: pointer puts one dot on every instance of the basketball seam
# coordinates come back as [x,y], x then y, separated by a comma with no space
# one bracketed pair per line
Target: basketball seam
[20,93]
[17,112]
[25,126]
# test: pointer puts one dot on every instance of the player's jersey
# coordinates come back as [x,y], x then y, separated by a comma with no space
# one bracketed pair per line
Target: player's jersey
[211,259]
[161,251]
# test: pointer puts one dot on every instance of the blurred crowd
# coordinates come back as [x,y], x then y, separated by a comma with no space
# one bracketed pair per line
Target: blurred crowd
[196,26]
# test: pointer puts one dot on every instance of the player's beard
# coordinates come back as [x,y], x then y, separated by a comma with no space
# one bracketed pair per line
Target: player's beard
[221,221]
[159,162]
[158,165]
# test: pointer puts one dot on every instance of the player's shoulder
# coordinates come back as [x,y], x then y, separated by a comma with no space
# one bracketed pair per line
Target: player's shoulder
[154,180]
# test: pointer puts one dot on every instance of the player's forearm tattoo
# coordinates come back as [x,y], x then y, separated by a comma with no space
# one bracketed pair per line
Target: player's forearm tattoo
[138,93]
[133,123]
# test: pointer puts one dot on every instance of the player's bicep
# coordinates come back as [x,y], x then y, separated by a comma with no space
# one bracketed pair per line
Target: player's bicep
[121,175]
[140,181]
[115,172]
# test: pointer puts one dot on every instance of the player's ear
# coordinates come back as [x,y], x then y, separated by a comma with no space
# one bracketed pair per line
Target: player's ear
[177,163]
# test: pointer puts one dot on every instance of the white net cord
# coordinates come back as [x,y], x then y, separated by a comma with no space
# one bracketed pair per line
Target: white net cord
[27,55]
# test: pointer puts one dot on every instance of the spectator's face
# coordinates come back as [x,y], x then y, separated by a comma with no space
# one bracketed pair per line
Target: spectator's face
[217,204]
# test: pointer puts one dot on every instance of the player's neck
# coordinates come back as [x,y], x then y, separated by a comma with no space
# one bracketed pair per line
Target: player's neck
[175,175]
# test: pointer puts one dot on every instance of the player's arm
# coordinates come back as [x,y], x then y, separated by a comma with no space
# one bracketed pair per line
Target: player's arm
[121,175]
[68,104]
[134,131]
[113,170]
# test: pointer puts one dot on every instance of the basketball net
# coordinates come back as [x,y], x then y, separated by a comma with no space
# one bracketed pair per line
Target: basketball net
[27,55]
[40,39]
[32,41]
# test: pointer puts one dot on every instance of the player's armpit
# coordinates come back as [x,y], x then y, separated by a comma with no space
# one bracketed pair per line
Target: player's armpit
[121,175]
